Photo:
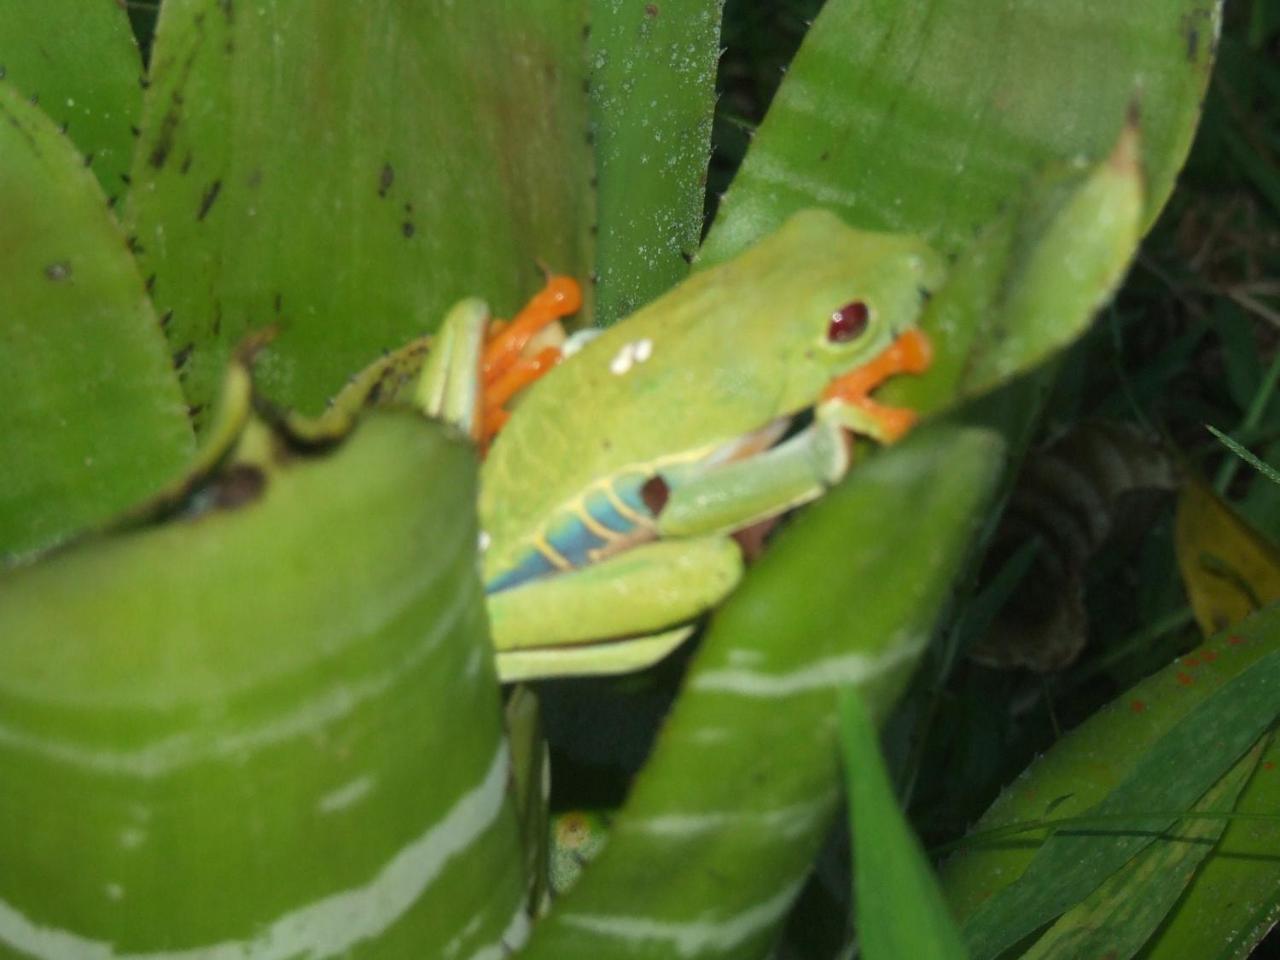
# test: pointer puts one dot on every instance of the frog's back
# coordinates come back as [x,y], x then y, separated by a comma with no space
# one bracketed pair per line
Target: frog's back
[628,402]
[705,364]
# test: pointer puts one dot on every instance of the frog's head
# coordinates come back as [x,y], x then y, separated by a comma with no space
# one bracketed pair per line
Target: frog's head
[848,293]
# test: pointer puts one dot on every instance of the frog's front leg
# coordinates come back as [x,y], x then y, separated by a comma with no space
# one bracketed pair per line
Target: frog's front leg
[734,495]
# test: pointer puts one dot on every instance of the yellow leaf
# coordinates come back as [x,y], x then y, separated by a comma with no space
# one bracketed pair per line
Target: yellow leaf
[1229,569]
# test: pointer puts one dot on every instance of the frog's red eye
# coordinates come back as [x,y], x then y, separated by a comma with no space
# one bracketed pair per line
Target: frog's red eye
[848,322]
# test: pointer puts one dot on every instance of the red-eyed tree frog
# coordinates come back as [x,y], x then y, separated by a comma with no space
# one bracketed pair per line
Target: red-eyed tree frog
[609,497]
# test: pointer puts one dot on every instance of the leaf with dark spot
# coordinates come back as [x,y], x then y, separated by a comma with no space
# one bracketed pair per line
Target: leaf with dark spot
[238,485]
[206,201]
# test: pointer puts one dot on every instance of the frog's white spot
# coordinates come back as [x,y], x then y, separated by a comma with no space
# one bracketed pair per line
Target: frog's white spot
[131,838]
[113,891]
[485,540]
[623,360]
[643,350]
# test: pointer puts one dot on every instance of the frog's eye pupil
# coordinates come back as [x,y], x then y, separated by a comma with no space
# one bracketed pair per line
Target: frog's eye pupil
[848,322]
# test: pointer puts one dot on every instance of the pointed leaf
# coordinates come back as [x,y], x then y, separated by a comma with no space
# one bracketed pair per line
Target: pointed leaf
[925,118]
[78,61]
[93,416]
[345,172]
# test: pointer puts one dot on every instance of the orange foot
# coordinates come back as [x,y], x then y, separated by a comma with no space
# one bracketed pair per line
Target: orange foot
[504,370]
[910,353]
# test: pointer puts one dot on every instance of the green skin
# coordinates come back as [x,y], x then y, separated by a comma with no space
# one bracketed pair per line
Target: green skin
[732,351]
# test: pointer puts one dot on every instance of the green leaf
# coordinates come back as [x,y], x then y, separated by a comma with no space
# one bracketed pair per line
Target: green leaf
[1118,918]
[652,100]
[1153,751]
[1031,283]
[1170,775]
[900,909]
[345,172]
[925,118]
[78,61]
[1234,897]
[726,818]
[93,416]
[267,727]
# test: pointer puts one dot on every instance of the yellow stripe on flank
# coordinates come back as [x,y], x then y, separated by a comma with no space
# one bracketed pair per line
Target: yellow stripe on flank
[639,519]
[597,528]
[554,557]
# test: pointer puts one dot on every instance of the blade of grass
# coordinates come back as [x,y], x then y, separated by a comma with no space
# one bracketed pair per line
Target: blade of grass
[900,910]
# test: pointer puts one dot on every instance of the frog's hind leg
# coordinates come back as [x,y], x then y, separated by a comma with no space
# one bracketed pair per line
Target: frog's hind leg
[733,496]
[649,589]
[595,659]
[708,497]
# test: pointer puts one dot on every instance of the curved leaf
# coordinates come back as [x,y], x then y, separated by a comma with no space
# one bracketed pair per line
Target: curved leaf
[345,172]
[727,816]
[78,61]
[1031,283]
[268,727]
[924,118]
[93,417]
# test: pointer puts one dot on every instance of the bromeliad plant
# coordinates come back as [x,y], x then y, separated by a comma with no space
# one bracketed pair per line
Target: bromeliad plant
[253,710]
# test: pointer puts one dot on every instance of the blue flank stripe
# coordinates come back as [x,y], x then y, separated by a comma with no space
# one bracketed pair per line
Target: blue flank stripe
[627,489]
[531,566]
[606,514]
[568,536]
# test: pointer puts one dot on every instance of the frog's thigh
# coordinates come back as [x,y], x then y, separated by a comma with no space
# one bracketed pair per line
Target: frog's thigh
[589,659]
[644,590]
[740,493]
